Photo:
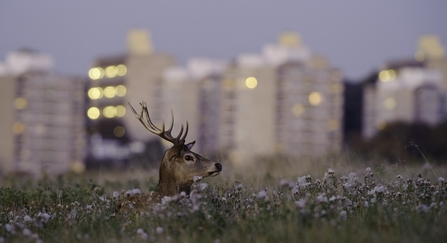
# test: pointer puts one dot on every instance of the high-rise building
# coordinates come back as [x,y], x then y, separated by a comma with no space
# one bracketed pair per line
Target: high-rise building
[411,91]
[193,94]
[42,122]
[288,100]
[133,77]
[284,100]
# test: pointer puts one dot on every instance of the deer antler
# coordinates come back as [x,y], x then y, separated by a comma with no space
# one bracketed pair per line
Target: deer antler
[165,134]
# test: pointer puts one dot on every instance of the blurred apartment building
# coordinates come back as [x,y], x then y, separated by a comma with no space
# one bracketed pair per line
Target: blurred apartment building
[193,94]
[133,77]
[43,116]
[410,91]
[283,100]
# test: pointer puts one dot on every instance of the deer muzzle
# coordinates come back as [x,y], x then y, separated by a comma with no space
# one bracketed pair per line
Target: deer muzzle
[218,169]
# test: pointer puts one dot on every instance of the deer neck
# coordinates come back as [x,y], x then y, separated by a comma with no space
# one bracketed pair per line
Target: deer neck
[171,188]
[168,184]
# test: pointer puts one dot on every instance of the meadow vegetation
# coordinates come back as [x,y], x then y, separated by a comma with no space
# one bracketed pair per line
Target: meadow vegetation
[270,200]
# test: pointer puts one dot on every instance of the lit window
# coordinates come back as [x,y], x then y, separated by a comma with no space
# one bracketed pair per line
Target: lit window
[21,103]
[95,93]
[298,109]
[109,92]
[251,82]
[111,71]
[93,113]
[18,128]
[120,90]
[121,70]
[119,131]
[109,111]
[96,73]
[315,98]
[120,111]
[390,103]
[387,75]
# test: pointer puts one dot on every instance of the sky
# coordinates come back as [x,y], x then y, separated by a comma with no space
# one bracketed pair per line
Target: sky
[356,36]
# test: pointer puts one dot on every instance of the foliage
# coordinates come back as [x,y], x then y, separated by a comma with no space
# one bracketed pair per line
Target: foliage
[398,142]
[353,207]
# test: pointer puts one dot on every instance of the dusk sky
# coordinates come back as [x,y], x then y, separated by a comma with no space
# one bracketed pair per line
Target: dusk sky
[356,36]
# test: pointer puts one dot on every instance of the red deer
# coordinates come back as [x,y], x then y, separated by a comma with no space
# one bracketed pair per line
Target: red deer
[179,165]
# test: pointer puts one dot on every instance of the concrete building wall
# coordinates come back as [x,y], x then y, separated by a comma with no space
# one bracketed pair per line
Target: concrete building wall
[8,127]
[145,82]
[254,119]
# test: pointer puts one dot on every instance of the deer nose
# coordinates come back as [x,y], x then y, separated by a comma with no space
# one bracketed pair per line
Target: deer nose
[218,166]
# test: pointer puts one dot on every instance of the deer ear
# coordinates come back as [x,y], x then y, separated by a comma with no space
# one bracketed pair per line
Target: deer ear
[190,145]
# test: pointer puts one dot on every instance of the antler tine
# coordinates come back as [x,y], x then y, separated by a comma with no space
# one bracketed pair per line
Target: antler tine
[172,121]
[149,121]
[139,117]
[165,134]
[133,110]
[186,132]
[180,134]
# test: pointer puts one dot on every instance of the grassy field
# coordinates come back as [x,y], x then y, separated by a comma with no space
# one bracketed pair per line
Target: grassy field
[276,200]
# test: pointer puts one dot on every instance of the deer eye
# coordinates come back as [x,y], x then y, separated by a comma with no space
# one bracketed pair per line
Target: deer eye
[189,158]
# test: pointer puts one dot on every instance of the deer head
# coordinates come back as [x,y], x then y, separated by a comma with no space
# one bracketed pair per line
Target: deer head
[179,164]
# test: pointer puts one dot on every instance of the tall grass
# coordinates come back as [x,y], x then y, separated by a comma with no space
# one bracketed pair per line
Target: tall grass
[269,200]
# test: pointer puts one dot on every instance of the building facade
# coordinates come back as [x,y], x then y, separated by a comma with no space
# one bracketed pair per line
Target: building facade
[116,81]
[282,100]
[410,91]
[43,117]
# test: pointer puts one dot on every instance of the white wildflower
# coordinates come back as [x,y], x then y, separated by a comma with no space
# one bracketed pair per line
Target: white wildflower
[343,215]
[9,228]
[365,204]
[103,198]
[347,185]
[89,207]
[43,217]
[424,208]
[302,181]
[142,234]
[166,200]
[332,199]
[301,203]
[331,171]
[441,179]
[116,195]
[203,186]
[27,218]
[159,230]
[368,169]
[379,189]
[26,232]
[353,179]
[262,194]
[286,183]
[321,198]
[136,191]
